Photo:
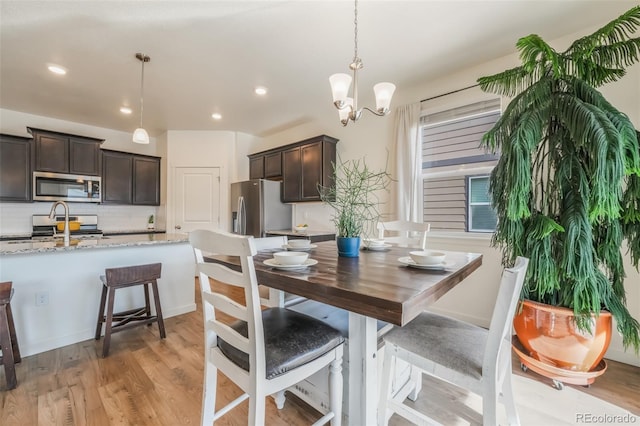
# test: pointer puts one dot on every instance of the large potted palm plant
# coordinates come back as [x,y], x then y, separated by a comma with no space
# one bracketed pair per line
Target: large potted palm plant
[353,196]
[567,189]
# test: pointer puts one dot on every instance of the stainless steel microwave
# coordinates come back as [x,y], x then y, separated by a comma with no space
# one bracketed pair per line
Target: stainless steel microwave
[58,186]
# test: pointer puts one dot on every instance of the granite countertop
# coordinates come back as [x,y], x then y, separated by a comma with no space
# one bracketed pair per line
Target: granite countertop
[33,247]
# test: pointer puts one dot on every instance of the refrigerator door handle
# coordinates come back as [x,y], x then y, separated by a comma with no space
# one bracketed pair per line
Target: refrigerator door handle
[242,216]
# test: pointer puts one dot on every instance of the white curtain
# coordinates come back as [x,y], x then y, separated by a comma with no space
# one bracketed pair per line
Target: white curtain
[408,150]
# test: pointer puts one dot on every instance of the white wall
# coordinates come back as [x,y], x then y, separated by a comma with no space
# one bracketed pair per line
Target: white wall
[15,218]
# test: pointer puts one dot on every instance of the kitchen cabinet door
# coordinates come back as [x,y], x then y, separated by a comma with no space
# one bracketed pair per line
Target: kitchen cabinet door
[15,168]
[84,157]
[273,165]
[146,180]
[256,167]
[311,162]
[52,153]
[291,175]
[117,177]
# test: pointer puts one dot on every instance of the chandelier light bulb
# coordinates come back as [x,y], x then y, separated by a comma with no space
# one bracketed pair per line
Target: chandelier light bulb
[340,84]
[383,92]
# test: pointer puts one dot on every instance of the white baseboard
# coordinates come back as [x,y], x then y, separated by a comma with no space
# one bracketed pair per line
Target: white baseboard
[36,347]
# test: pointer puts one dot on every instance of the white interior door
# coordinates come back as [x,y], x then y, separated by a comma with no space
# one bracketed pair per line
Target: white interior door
[197,198]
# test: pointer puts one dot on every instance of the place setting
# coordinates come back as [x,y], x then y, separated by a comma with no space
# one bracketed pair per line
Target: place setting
[427,259]
[375,244]
[299,245]
[290,260]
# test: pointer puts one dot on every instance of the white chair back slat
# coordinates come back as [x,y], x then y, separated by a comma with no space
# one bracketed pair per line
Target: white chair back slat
[270,243]
[230,307]
[231,336]
[232,245]
[223,274]
[406,234]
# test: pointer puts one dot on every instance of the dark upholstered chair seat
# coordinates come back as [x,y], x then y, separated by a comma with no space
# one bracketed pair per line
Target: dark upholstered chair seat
[291,340]
[453,344]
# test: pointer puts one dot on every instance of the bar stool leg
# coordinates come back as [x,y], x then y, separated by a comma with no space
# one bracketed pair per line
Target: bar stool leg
[156,300]
[103,300]
[108,322]
[12,335]
[7,349]
[147,303]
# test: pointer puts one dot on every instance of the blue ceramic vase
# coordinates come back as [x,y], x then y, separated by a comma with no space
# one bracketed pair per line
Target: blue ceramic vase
[348,246]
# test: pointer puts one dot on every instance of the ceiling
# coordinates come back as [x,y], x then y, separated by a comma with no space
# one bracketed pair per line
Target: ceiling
[208,56]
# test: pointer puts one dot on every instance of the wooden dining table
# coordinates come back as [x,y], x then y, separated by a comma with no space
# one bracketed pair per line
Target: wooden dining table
[377,285]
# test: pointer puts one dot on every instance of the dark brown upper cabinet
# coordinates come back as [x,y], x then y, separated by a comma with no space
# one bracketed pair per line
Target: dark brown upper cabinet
[117,177]
[301,166]
[64,153]
[146,180]
[15,168]
[273,165]
[256,167]
[130,178]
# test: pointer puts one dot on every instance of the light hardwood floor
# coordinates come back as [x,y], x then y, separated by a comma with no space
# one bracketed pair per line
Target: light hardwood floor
[148,381]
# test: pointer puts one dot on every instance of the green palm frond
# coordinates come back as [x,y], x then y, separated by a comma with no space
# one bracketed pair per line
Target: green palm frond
[619,30]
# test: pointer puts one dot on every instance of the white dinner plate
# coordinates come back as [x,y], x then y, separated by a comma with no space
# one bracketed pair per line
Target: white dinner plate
[380,247]
[435,267]
[274,264]
[307,248]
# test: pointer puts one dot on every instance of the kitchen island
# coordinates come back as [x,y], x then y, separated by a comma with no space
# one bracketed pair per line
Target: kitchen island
[57,287]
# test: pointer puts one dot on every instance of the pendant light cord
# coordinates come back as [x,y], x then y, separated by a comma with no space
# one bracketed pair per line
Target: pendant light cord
[142,90]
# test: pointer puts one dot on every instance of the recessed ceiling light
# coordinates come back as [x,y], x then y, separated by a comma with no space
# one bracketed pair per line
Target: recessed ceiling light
[57,69]
[261,90]
[216,116]
[125,110]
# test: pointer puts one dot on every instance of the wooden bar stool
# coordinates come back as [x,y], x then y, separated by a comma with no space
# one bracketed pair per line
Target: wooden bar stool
[8,340]
[128,276]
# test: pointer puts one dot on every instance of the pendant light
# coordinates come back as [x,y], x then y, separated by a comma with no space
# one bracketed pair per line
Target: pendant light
[140,135]
[340,83]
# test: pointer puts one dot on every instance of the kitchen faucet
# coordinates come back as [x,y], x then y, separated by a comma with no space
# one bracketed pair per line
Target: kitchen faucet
[52,214]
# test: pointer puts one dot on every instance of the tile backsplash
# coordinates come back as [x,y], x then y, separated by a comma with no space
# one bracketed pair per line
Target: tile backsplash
[15,218]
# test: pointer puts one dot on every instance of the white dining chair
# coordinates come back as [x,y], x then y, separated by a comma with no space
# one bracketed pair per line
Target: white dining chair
[263,352]
[457,352]
[271,297]
[404,233]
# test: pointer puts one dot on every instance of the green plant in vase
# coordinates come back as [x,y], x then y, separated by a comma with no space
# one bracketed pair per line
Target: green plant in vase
[354,199]
[567,186]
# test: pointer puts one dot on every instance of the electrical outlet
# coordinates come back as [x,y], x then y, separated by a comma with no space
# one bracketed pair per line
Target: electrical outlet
[42,298]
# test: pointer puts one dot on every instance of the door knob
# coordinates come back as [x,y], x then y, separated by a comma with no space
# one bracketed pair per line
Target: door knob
[178,227]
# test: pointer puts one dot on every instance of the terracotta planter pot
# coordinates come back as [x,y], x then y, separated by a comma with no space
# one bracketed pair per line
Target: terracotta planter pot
[549,334]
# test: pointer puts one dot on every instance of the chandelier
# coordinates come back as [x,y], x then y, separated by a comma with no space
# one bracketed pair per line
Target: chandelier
[140,135]
[340,83]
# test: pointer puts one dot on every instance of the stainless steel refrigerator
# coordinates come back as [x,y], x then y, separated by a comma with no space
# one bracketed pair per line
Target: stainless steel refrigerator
[256,208]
